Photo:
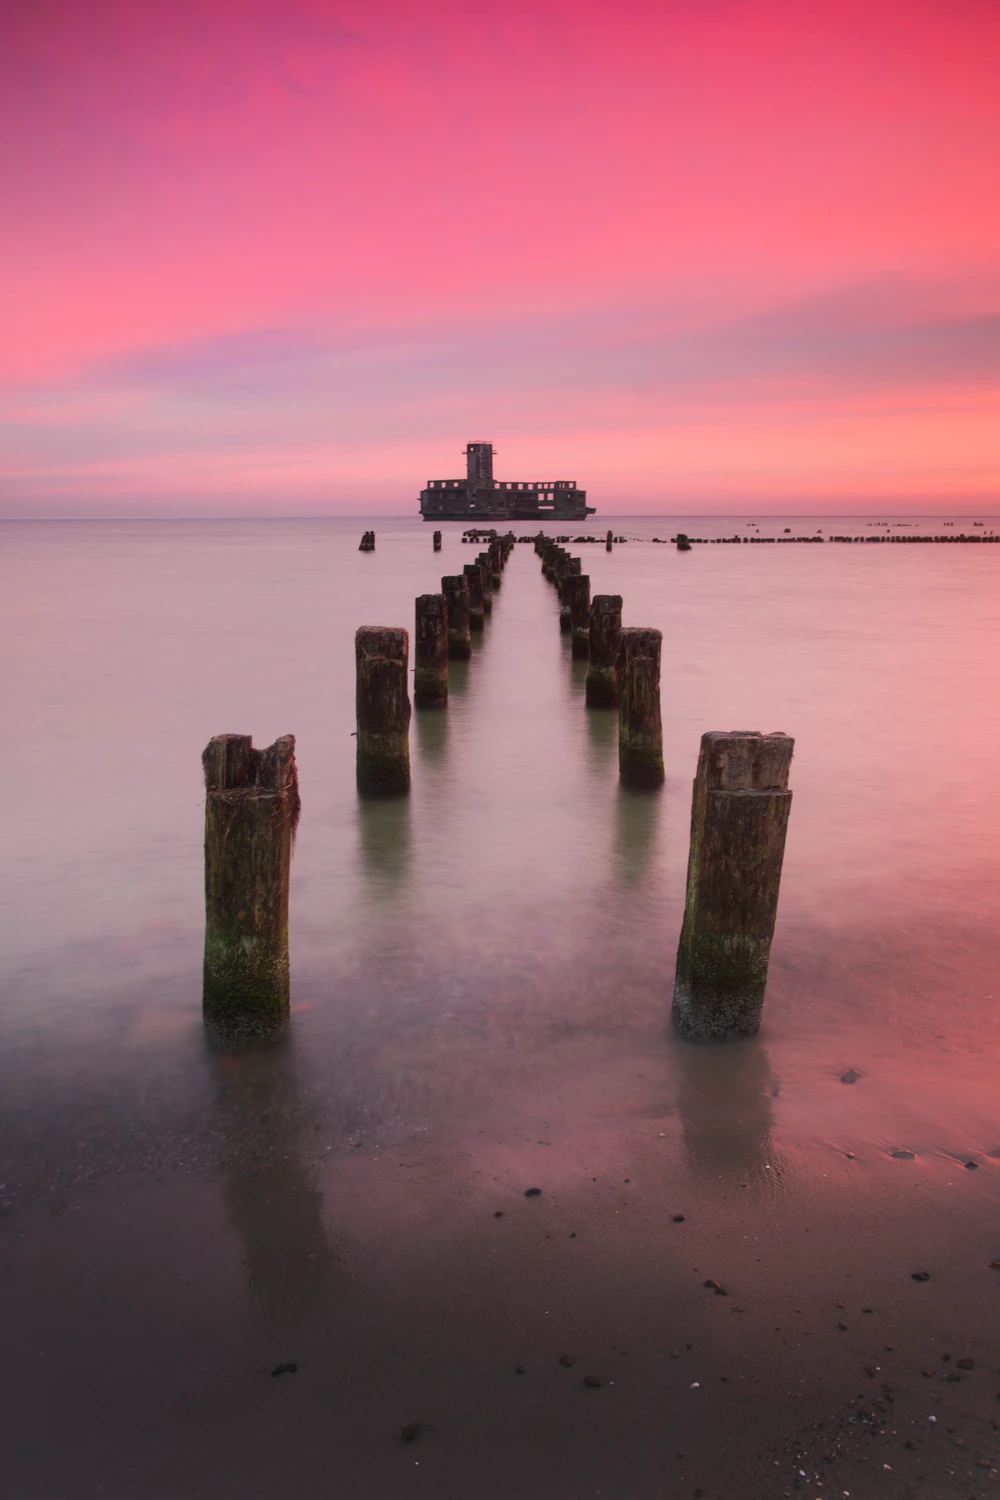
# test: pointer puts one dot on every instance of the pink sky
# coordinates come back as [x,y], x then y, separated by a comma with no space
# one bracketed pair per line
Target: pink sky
[287,256]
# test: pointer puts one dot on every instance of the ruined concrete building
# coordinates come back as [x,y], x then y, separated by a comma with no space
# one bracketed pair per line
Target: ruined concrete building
[479,495]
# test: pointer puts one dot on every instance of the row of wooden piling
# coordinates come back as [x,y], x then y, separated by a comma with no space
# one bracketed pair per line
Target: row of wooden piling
[444,625]
[739,815]
[624,664]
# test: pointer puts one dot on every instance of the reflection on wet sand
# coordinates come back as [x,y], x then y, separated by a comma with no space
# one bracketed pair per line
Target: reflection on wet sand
[724,1101]
[637,815]
[272,1199]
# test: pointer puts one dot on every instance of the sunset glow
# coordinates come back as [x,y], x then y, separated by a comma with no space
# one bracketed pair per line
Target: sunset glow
[287,256]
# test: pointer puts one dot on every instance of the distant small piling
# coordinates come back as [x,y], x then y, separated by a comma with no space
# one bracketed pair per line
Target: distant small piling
[640,730]
[577,593]
[430,652]
[683,543]
[739,817]
[474,575]
[251,812]
[608,541]
[486,569]
[383,709]
[456,593]
[437,541]
[603,647]
[572,569]
[367,543]
[495,555]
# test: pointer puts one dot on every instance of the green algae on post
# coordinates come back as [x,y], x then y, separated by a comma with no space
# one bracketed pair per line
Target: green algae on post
[430,652]
[251,812]
[739,817]
[640,731]
[602,647]
[456,592]
[383,709]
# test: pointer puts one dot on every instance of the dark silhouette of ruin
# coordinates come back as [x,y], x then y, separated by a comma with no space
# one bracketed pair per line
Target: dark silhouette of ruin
[480,496]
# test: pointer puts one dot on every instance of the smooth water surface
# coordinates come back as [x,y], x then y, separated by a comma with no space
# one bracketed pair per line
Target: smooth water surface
[481,984]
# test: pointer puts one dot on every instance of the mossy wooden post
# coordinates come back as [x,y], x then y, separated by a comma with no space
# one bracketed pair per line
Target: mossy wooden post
[456,593]
[577,587]
[608,541]
[486,571]
[437,542]
[382,654]
[495,555]
[640,732]
[251,810]
[605,640]
[739,816]
[474,574]
[572,570]
[430,652]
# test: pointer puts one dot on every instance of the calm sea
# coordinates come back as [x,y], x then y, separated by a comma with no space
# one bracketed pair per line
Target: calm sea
[482,973]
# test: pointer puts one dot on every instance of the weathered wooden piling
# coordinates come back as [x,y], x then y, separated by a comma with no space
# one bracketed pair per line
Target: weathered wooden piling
[474,575]
[607,544]
[603,647]
[251,811]
[367,543]
[577,593]
[437,541]
[572,570]
[496,563]
[486,570]
[383,706]
[430,652]
[640,731]
[683,544]
[739,816]
[456,593]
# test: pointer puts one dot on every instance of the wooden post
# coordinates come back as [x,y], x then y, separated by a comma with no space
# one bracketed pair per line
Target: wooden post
[367,543]
[605,640]
[610,539]
[430,652]
[571,570]
[437,541]
[496,563]
[383,706]
[640,732]
[474,574]
[486,569]
[251,810]
[739,816]
[456,593]
[577,594]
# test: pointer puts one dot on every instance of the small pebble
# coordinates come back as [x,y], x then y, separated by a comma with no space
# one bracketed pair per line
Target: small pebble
[520,1370]
[498,1214]
[410,1431]
[903,1155]
[679,1219]
[713,1286]
[289,1369]
[851,1076]
[921,1275]
[971,1166]
[533,1193]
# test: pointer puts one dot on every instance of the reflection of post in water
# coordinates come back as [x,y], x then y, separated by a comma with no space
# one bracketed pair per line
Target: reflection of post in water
[272,1198]
[458,677]
[724,1100]
[384,835]
[577,672]
[602,737]
[637,818]
[432,734]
